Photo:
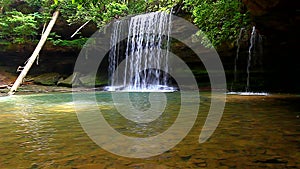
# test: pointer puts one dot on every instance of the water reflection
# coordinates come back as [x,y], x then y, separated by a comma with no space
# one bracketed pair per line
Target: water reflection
[32,128]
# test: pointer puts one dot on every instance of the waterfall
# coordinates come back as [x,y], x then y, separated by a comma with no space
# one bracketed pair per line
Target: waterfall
[252,44]
[251,47]
[146,56]
[255,52]
[114,52]
[236,58]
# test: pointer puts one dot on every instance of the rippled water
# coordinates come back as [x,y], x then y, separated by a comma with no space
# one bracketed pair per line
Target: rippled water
[42,131]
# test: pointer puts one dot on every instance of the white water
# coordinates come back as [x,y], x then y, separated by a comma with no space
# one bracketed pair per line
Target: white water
[252,44]
[146,55]
[114,52]
[249,93]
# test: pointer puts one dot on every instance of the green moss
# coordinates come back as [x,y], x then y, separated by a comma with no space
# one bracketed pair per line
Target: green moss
[47,79]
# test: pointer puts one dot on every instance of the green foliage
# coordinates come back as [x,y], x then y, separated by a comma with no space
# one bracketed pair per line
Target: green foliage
[44,7]
[17,27]
[160,5]
[4,5]
[74,43]
[103,11]
[100,12]
[115,10]
[219,21]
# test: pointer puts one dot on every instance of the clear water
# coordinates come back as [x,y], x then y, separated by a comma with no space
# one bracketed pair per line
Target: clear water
[42,131]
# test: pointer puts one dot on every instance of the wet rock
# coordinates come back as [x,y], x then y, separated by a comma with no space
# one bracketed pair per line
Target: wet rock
[185,157]
[91,80]
[72,80]
[200,163]
[34,165]
[77,79]
[272,161]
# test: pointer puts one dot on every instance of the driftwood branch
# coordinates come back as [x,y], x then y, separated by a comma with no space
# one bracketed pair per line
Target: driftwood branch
[80,28]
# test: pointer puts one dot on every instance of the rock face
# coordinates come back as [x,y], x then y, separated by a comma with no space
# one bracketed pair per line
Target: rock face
[278,15]
[6,78]
[278,23]
[260,7]
[51,59]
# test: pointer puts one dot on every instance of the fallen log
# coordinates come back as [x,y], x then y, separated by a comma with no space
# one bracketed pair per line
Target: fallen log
[34,55]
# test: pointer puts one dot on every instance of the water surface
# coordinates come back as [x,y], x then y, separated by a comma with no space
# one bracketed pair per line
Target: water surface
[42,131]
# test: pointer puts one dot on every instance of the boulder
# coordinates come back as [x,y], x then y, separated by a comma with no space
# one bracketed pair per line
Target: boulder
[72,80]
[91,80]
[83,80]
[48,79]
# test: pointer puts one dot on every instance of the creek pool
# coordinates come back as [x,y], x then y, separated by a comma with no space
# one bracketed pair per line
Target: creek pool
[43,131]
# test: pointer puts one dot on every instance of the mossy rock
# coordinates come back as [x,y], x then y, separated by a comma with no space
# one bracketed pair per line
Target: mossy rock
[48,79]
[82,80]
[70,81]
[91,80]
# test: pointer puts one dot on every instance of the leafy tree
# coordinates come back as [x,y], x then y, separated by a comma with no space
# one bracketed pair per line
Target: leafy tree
[4,5]
[104,11]
[18,27]
[219,21]
[100,13]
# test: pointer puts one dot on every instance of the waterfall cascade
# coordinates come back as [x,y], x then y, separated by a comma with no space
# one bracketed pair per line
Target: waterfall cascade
[145,57]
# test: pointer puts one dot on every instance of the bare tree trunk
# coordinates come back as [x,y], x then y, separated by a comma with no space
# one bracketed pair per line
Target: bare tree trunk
[34,54]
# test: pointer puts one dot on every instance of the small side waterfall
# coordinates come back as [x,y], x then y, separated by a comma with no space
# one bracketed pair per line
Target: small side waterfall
[146,56]
[255,51]
[251,47]
[236,58]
